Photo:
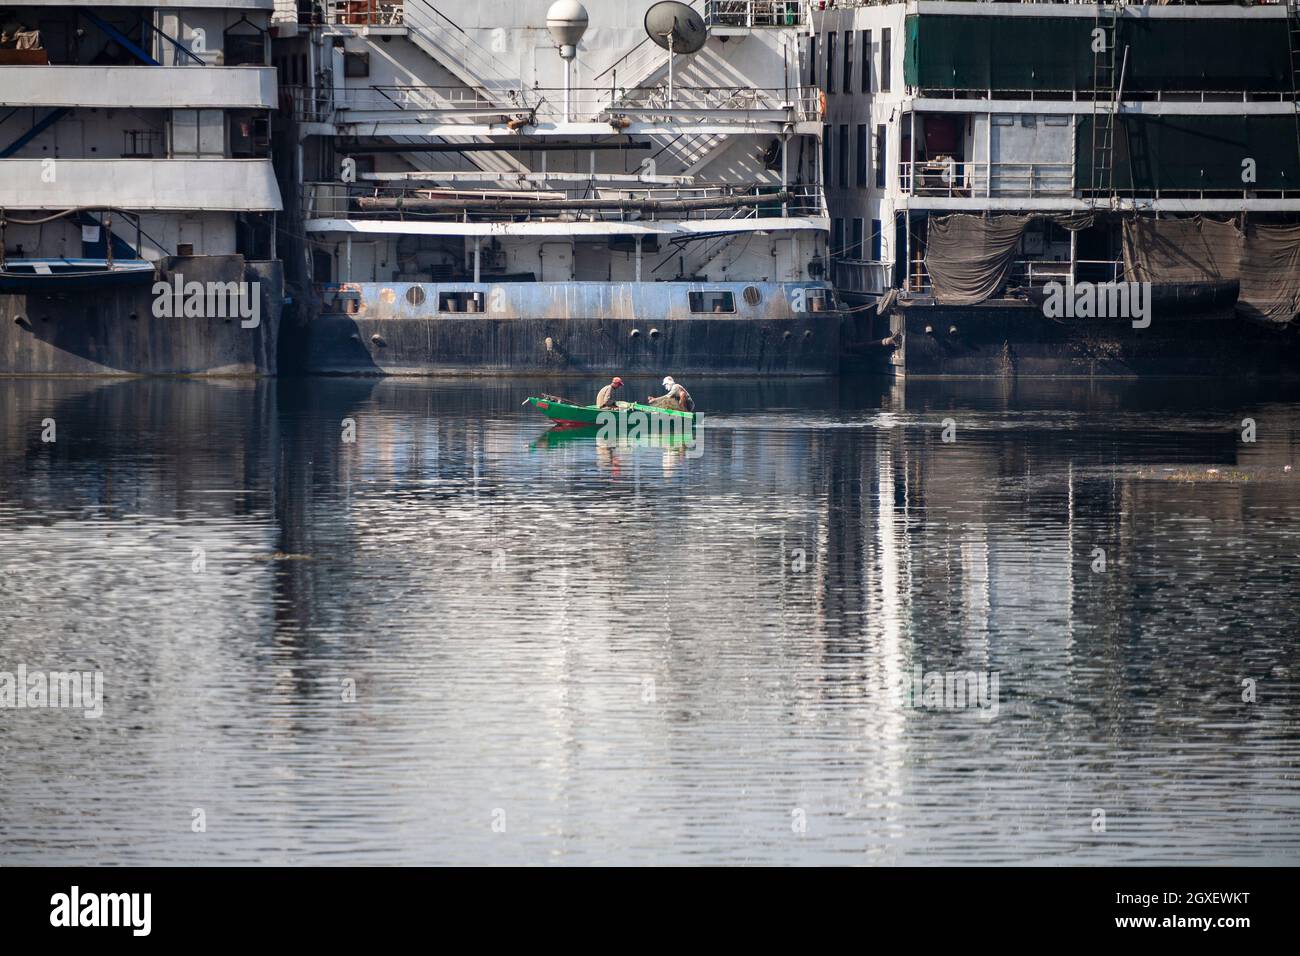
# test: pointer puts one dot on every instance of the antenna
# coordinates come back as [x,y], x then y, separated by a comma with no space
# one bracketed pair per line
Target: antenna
[567,21]
[678,29]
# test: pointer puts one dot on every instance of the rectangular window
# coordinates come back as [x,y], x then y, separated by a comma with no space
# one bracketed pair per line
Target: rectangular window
[848,61]
[185,133]
[866,61]
[460,302]
[713,302]
[356,64]
[862,156]
[827,169]
[880,157]
[837,238]
[886,60]
[812,61]
[245,49]
[844,154]
[199,133]
[830,63]
[855,244]
[876,244]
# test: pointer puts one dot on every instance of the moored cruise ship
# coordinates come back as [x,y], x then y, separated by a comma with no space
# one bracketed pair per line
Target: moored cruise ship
[137,197]
[1064,188]
[528,185]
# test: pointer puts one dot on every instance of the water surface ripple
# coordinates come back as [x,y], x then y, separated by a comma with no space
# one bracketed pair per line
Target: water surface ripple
[567,650]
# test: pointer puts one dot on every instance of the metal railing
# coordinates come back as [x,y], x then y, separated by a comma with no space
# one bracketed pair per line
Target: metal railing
[739,13]
[756,13]
[711,104]
[1037,272]
[954,180]
[441,103]
[918,278]
[358,13]
[459,104]
[1028,273]
[588,203]
[308,105]
[803,102]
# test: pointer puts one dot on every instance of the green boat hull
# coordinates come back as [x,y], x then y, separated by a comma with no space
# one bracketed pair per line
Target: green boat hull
[563,413]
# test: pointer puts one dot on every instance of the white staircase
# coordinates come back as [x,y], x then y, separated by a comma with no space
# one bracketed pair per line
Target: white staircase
[478,68]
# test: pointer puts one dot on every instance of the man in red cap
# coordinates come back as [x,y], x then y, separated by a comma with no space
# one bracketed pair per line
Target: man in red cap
[605,398]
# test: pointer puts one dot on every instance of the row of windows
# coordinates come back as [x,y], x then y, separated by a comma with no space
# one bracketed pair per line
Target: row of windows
[855,248]
[711,302]
[844,68]
[835,156]
[818,300]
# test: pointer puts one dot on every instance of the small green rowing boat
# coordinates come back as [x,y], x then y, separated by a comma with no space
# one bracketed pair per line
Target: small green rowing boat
[565,413]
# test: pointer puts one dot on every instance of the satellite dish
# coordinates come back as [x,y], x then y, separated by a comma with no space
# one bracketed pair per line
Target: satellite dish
[678,21]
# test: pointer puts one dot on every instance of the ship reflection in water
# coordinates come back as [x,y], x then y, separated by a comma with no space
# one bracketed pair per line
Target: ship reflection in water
[570,650]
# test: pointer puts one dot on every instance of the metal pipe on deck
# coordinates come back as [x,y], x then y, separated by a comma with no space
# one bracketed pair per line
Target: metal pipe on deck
[512,204]
[505,146]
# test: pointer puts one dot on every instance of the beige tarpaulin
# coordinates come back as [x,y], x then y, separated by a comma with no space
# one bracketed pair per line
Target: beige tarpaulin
[1181,250]
[1270,273]
[968,256]
[1265,259]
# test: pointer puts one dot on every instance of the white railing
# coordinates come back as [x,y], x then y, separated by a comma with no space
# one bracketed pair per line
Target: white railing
[740,13]
[755,13]
[954,180]
[442,104]
[804,102]
[712,104]
[1031,272]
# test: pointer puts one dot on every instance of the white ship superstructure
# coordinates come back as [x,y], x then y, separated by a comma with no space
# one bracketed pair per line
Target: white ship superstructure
[132,136]
[529,159]
[160,110]
[979,154]
[1050,109]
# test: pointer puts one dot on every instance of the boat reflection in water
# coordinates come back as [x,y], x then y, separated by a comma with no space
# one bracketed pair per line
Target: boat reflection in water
[613,446]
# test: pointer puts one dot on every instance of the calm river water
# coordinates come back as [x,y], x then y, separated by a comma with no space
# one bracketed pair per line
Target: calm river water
[459,638]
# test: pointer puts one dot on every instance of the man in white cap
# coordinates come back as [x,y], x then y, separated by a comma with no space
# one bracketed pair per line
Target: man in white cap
[677,397]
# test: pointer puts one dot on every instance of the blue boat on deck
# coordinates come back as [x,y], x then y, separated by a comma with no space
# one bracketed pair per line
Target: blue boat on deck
[57,275]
